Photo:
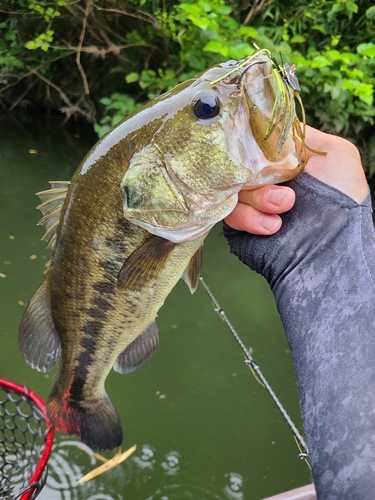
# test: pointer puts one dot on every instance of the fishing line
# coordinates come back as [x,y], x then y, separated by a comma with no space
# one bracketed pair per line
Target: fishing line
[251,363]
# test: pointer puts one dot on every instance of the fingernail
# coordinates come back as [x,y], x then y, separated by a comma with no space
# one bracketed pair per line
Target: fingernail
[268,222]
[275,196]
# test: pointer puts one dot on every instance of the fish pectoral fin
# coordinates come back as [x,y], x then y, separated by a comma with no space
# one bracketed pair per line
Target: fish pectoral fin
[139,351]
[193,270]
[38,338]
[145,264]
[52,202]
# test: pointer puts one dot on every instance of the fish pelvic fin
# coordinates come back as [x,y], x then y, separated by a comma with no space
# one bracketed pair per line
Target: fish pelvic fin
[193,270]
[38,338]
[52,202]
[96,422]
[139,351]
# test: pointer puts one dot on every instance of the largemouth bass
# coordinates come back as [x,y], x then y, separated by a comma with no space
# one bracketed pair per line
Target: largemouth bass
[132,221]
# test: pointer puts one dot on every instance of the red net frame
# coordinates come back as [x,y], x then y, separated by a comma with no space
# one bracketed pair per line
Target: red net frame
[30,398]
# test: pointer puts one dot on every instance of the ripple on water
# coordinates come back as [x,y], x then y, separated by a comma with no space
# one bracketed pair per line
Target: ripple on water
[233,488]
[171,464]
[70,461]
[146,459]
[146,475]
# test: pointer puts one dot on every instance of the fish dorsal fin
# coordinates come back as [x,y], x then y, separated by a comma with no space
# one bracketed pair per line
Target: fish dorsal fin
[38,338]
[193,270]
[145,264]
[139,351]
[52,202]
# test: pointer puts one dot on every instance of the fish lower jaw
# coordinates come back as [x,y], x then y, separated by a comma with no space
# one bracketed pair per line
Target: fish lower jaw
[273,172]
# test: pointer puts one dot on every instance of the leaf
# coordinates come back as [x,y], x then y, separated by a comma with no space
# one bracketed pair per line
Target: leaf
[247,31]
[105,101]
[31,45]
[11,61]
[335,92]
[320,62]
[336,8]
[199,21]
[366,49]
[205,5]
[116,460]
[370,12]
[190,8]
[352,6]
[320,28]
[240,51]
[132,77]
[297,39]
[225,10]
[101,129]
[116,119]
[366,99]
[216,46]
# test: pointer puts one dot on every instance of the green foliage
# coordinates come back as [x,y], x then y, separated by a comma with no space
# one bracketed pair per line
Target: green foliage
[154,82]
[48,13]
[42,41]
[101,58]
[117,106]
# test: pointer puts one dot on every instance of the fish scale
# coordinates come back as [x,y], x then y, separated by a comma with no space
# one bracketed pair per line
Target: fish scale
[132,221]
[81,374]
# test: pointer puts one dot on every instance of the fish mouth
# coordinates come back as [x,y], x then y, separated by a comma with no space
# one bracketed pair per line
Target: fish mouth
[271,108]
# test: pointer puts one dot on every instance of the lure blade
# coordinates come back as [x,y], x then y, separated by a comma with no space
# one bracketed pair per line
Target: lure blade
[290,76]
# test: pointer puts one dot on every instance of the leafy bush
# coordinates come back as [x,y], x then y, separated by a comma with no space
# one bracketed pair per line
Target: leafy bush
[117,106]
[100,59]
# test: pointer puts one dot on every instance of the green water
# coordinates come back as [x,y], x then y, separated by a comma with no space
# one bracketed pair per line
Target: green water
[204,428]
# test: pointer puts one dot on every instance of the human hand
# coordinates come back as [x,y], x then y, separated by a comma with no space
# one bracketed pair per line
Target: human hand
[257,211]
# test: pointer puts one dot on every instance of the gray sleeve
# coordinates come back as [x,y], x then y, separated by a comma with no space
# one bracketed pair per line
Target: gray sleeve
[321,268]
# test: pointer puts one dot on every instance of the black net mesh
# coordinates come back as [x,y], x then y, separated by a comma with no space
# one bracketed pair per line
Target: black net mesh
[23,430]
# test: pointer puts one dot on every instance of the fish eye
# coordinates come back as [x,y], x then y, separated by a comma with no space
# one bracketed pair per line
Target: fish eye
[206,106]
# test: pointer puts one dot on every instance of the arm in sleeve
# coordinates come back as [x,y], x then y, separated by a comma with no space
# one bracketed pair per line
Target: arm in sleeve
[321,269]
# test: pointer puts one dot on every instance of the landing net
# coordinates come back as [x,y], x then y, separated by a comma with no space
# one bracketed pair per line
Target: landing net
[26,438]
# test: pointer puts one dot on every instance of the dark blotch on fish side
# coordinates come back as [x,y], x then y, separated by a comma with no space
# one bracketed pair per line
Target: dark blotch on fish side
[102,304]
[76,389]
[116,246]
[131,306]
[112,266]
[104,287]
[97,313]
[88,345]
[116,242]
[93,328]
[124,224]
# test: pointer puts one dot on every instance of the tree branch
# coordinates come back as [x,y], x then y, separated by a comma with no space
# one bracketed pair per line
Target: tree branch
[79,48]
[71,108]
[6,87]
[148,18]
[258,6]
